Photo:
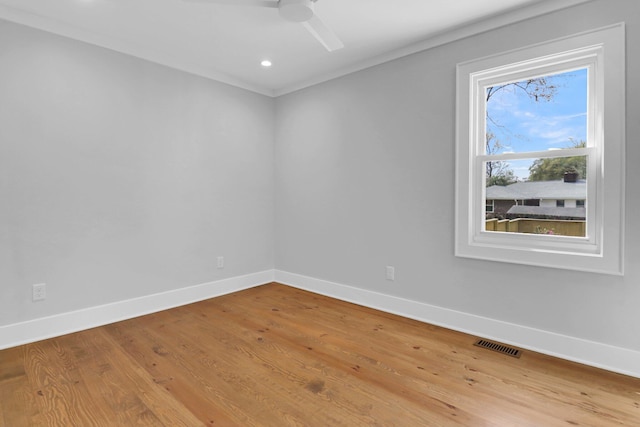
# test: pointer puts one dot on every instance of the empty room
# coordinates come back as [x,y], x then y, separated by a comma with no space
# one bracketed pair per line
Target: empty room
[319,213]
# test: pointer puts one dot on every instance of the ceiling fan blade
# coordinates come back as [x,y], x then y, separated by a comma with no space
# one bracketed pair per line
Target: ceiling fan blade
[324,34]
[258,3]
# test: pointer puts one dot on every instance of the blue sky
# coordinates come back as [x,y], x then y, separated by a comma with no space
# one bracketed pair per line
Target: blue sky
[522,124]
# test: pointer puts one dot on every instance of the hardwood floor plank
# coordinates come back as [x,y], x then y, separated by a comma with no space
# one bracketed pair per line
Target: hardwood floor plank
[279,356]
[313,375]
[152,394]
[14,397]
[370,362]
[14,387]
[125,395]
[340,369]
[186,374]
[386,358]
[347,365]
[58,385]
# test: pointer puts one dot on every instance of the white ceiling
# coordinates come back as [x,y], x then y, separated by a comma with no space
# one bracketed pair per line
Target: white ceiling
[227,43]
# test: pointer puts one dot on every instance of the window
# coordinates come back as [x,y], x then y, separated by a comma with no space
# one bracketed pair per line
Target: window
[580,203]
[487,162]
[489,206]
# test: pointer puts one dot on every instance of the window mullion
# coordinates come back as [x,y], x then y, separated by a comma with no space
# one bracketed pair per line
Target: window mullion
[566,152]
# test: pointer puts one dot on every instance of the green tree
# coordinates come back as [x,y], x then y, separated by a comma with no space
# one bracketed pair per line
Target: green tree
[553,169]
[503,179]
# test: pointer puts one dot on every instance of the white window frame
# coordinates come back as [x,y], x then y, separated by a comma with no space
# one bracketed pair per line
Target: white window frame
[602,52]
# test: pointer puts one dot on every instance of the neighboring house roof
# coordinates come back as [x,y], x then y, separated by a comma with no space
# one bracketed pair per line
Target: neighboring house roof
[544,212]
[558,190]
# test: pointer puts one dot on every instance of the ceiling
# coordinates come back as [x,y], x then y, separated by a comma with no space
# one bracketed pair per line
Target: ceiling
[228,42]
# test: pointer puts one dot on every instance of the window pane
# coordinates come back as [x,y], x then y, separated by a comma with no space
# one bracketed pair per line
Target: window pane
[530,134]
[551,200]
[537,114]
[489,206]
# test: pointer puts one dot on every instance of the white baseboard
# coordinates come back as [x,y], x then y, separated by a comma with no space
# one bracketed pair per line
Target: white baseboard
[74,321]
[591,353]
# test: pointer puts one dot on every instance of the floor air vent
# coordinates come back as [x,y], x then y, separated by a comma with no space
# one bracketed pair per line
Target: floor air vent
[500,348]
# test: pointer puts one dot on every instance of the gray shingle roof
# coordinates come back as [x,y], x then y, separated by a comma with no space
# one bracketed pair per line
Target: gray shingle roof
[558,190]
[545,212]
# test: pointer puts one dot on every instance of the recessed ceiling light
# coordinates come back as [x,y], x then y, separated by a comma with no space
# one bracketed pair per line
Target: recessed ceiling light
[266,63]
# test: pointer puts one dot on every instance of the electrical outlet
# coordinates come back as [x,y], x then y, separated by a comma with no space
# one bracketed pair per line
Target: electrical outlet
[220,262]
[39,291]
[391,273]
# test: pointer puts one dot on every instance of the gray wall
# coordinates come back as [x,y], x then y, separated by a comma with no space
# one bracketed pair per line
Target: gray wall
[120,178]
[365,178]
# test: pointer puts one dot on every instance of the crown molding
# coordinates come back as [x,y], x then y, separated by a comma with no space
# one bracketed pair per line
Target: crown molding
[163,58]
[448,36]
[123,46]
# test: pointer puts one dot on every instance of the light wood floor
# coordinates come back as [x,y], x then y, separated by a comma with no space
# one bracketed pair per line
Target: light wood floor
[278,356]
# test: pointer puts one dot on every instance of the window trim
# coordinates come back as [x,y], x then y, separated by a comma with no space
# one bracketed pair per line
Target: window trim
[602,250]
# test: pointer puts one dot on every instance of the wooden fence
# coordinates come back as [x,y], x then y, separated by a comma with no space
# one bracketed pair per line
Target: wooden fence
[538,226]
